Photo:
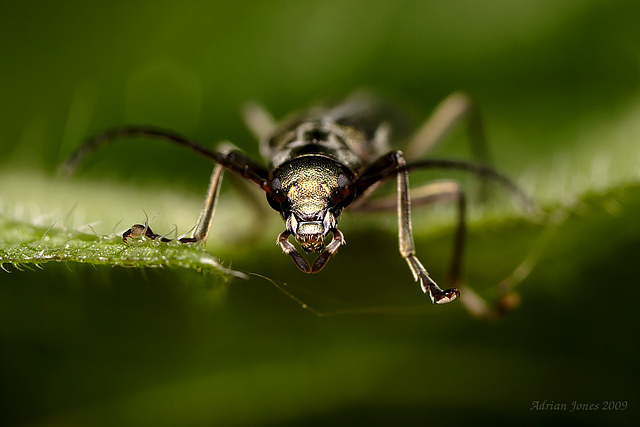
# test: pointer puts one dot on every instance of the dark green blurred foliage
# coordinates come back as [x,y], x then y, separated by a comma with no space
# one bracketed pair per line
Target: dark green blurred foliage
[100,346]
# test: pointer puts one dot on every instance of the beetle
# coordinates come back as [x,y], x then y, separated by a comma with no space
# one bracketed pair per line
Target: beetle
[327,159]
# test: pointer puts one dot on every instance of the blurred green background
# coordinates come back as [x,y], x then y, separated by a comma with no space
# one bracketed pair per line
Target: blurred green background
[558,87]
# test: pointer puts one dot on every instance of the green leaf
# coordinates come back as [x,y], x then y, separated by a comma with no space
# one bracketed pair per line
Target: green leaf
[33,242]
[24,244]
[85,344]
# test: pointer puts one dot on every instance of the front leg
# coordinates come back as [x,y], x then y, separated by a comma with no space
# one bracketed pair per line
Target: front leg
[405,239]
[203,225]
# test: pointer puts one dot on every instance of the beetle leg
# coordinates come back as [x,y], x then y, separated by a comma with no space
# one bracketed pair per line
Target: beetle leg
[203,225]
[433,192]
[261,124]
[453,110]
[405,239]
[394,164]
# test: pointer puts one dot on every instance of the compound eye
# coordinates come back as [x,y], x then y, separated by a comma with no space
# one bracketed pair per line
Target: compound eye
[342,196]
[274,205]
[279,201]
